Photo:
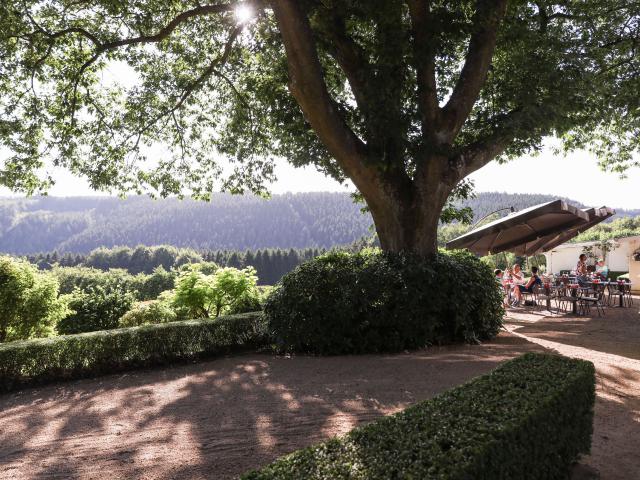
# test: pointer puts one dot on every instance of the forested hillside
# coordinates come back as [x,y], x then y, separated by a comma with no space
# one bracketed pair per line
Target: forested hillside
[315,220]
[305,220]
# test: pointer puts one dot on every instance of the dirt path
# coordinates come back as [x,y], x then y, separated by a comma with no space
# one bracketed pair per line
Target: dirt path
[219,418]
[612,343]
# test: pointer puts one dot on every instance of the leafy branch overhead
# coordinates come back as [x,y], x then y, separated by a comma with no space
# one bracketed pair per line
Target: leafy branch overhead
[405,98]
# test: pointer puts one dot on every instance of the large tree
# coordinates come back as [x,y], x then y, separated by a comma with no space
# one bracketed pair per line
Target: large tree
[404,97]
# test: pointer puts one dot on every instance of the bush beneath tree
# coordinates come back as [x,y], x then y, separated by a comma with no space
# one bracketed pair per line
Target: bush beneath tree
[382,302]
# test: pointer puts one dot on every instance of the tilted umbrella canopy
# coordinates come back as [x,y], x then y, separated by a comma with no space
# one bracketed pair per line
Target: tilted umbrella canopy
[518,231]
[596,215]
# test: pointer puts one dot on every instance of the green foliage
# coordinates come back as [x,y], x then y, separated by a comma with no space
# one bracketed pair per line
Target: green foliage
[452,211]
[141,259]
[95,353]
[203,88]
[95,308]
[211,295]
[375,302]
[528,419]
[141,286]
[618,228]
[206,268]
[29,303]
[82,278]
[252,300]
[151,286]
[149,312]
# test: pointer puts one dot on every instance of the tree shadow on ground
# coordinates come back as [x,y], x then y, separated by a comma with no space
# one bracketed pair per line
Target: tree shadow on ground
[617,332]
[612,343]
[217,419]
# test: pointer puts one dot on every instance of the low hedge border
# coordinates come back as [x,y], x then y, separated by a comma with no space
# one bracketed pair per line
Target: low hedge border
[43,360]
[528,419]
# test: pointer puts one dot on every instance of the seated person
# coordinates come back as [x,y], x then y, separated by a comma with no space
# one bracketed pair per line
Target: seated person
[602,270]
[581,270]
[501,281]
[518,290]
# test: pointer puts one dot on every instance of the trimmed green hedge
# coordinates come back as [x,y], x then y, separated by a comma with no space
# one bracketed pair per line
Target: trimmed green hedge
[87,354]
[528,419]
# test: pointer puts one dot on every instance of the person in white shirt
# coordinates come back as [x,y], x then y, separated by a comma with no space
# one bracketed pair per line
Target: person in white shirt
[517,277]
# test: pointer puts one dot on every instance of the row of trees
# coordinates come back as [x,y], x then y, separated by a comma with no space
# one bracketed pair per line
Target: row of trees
[270,264]
[618,228]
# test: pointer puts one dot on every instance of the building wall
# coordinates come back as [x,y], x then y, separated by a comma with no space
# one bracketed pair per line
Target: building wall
[634,266]
[565,257]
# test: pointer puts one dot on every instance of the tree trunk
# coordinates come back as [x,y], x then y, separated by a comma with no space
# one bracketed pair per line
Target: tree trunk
[406,220]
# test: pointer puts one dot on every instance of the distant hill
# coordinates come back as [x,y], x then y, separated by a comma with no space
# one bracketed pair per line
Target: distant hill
[487,202]
[304,220]
[80,224]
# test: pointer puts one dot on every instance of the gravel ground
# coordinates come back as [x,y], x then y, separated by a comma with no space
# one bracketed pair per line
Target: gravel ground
[217,419]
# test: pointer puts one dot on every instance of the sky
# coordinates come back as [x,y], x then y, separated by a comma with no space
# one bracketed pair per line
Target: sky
[576,176]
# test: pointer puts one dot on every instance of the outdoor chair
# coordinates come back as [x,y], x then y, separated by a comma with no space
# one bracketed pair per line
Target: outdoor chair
[531,296]
[546,294]
[594,298]
[565,298]
[627,298]
[615,294]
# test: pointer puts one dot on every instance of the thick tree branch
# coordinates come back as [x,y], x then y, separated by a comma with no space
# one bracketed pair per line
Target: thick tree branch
[424,59]
[351,58]
[487,18]
[478,154]
[307,85]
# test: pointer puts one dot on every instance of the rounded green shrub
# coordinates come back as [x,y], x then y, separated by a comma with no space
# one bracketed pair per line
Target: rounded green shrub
[381,302]
[146,313]
[95,309]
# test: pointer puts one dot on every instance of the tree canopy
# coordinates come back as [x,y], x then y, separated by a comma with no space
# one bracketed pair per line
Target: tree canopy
[405,98]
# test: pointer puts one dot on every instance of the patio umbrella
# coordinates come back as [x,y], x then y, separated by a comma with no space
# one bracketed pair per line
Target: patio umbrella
[520,231]
[596,215]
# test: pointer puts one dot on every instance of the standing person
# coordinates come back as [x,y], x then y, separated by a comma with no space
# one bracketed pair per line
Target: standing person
[501,280]
[581,270]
